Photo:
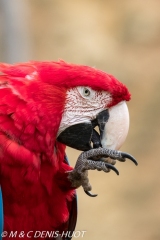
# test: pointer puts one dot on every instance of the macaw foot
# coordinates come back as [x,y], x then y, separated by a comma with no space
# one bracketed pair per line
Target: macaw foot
[101,159]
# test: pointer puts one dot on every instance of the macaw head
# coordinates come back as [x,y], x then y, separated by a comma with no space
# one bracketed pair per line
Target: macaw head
[93,99]
[96,99]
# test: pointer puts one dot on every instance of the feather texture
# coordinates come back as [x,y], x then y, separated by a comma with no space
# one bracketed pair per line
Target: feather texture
[30,157]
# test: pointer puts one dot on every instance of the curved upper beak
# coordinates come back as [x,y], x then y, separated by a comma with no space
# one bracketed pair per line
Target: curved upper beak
[116,128]
[113,126]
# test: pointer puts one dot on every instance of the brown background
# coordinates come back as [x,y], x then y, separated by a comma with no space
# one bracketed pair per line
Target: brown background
[122,38]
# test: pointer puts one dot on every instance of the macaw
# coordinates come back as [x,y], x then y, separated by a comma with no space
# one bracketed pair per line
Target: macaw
[44,107]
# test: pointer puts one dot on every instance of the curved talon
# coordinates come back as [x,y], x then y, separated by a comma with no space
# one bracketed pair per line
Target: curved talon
[90,194]
[126,155]
[110,166]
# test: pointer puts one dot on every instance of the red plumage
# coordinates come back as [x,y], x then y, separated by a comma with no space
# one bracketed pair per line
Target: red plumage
[33,174]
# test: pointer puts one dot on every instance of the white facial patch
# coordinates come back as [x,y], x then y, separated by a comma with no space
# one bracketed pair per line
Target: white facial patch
[82,105]
[116,129]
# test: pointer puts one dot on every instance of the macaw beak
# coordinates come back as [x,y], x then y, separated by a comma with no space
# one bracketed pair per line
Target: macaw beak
[113,127]
[116,129]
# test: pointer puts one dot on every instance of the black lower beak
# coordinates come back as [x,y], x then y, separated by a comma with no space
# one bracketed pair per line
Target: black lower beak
[81,136]
[77,136]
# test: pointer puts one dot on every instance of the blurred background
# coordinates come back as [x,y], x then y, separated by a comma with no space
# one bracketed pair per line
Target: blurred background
[122,38]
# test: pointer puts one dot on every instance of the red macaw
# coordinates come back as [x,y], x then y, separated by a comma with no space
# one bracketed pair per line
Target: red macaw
[45,106]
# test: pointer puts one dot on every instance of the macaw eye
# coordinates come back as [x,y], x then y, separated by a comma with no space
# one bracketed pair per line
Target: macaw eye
[86,92]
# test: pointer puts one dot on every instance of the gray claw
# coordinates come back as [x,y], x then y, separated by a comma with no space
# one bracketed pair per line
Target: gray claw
[126,155]
[110,166]
[90,160]
[90,194]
